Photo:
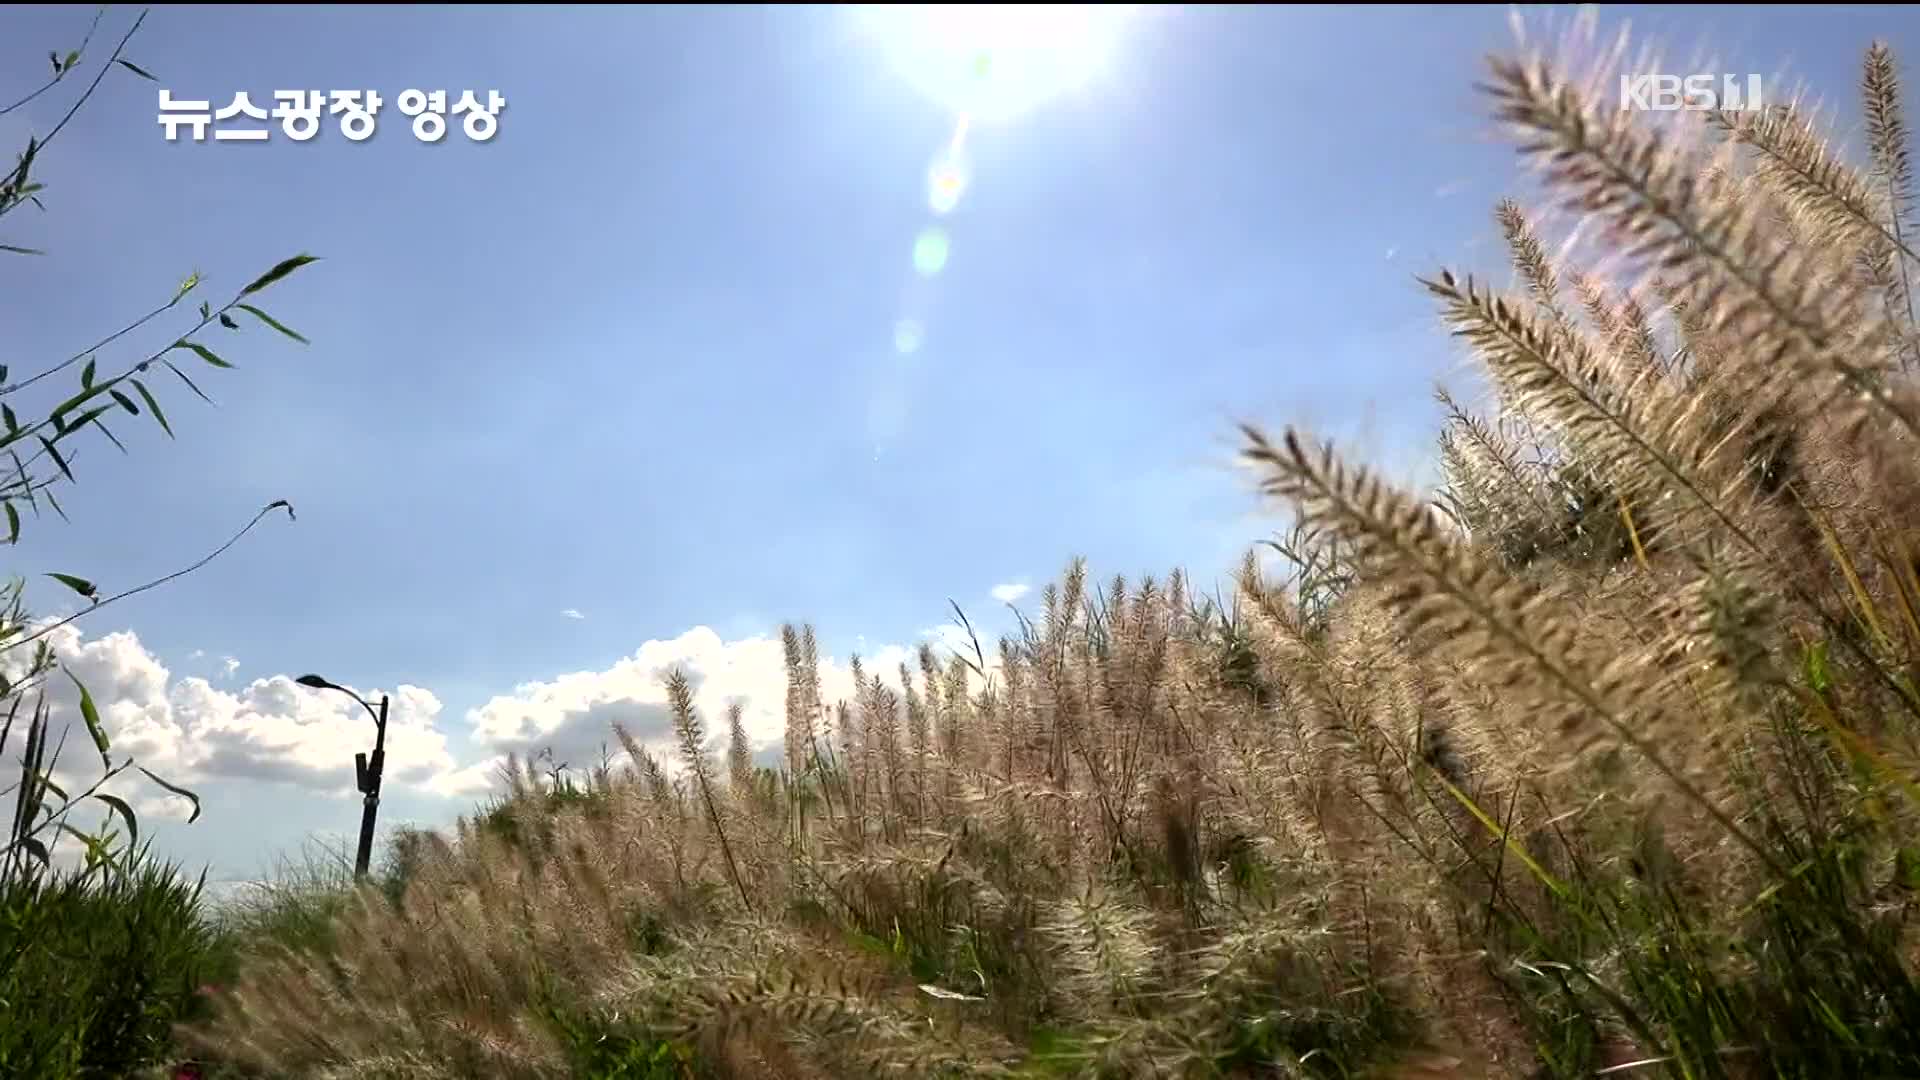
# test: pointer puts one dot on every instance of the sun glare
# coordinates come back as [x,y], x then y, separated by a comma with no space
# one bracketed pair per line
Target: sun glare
[991,63]
[985,64]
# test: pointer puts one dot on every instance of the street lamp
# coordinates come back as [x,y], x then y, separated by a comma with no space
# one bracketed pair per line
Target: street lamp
[366,777]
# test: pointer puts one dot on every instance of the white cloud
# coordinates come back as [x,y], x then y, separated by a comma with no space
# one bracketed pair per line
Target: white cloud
[475,779]
[572,613]
[206,734]
[197,654]
[1010,592]
[192,732]
[228,666]
[574,713]
[952,638]
[275,759]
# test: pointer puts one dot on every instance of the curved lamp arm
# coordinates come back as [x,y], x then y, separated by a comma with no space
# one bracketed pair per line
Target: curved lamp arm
[317,683]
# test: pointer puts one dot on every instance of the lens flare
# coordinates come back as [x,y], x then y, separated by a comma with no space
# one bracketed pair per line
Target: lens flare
[908,336]
[997,62]
[946,182]
[930,251]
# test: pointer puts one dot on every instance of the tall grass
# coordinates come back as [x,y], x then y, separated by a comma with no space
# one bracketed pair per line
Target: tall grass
[1602,762]
[97,965]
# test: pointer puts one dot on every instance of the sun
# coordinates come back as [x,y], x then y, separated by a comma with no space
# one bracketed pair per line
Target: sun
[991,63]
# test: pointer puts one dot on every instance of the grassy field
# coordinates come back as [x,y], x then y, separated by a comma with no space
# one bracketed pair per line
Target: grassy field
[1603,762]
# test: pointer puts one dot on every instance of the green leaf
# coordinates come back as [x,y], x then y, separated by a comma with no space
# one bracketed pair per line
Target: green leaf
[101,424]
[271,321]
[77,584]
[71,404]
[126,403]
[90,416]
[54,59]
[6,413]
[57,459]
[180,791]
[97,853]
[187,286]
[1816,668]
[226,320]
[36,849]
[91,714]
[13,535]
[20,469]
[189,382]
[17,250]
[287,266]
[55,503]
[133,825]
[86,374]
[206,310]
[137,70]
[72,59]
[203,352]
[153,407]
[46,781]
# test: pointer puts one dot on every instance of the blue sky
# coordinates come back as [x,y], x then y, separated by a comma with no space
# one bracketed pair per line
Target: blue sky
[635,357]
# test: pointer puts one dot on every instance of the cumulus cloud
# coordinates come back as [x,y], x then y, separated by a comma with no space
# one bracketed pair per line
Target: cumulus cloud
[475,779]
[203,731]
[952,637]
[573,714]
[1010,592]
[269,729]
[228,666]
[572,613]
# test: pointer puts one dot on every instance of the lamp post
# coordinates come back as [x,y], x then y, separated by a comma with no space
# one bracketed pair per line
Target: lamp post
[366,775]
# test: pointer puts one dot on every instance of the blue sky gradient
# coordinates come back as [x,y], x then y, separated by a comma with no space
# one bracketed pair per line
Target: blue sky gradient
[635,356]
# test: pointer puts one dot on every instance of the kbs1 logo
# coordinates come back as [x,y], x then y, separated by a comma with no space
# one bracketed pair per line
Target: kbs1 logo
[1700,93]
